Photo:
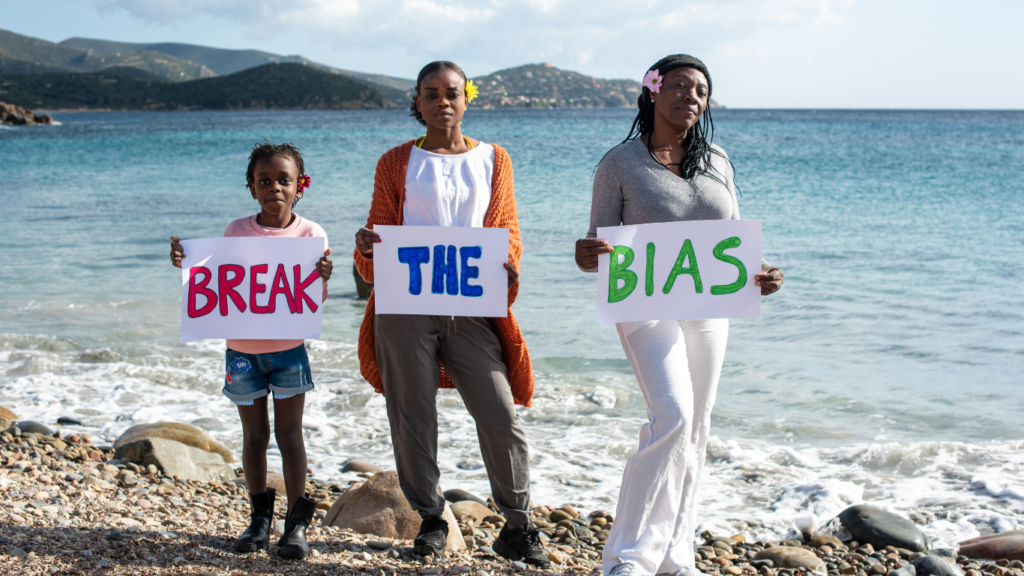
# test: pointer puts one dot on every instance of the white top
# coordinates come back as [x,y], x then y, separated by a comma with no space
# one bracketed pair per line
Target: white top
[448,189]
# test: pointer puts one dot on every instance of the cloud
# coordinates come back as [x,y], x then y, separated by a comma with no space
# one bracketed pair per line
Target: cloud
[610,38]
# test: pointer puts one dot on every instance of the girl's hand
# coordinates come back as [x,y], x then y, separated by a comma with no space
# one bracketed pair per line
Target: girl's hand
[513,274]
[177,251]
[365,239]
[324,266]
[770,279]
[587,250]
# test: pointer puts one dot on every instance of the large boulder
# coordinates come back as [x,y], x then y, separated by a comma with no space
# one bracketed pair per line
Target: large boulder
[379,507]
[792,557]
[177,459]
[1002,546]
[16,115]
[935,566]
[184,433]
[870,524]
[7,414]
[470,512]
[34,427]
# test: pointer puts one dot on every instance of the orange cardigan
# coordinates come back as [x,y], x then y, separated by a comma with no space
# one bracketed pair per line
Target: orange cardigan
[386,209]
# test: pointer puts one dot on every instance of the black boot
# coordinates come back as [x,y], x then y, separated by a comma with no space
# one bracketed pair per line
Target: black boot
[258,534]
[432,538]
[521,544]
[292,544]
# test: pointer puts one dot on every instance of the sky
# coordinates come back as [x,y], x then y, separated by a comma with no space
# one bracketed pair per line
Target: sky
[898,54]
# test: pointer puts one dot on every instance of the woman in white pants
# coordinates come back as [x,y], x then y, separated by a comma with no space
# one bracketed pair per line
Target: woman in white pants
[667,170]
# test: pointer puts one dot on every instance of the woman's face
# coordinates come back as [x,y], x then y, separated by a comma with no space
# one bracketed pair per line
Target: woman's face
[442,99]
[682,99]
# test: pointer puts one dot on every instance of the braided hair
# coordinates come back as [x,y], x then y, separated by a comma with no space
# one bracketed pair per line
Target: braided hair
[426,71]
[697,157]
[266,150]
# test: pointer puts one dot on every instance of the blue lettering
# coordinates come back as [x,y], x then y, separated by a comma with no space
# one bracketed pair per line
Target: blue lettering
[445,271]
[469,272]
[414,256]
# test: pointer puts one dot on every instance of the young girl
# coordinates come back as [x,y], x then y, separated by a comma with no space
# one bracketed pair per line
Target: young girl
[255,368]
[447,179]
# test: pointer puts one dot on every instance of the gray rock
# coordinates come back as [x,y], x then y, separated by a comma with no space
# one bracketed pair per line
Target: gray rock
[177,459]
[519,565]
[34,427]
[378,545]
[278,527]
[486,550]
[868,523]
[66,421]
[791,557]
[907,570]
[458,495]
[935,566]
[115,535]
[18,552]
[73,477]
[355,466]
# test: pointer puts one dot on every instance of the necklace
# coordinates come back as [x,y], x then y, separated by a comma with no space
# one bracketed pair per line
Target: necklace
[419,142]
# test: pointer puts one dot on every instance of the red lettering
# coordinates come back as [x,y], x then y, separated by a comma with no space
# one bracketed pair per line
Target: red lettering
[227,287]
[197,289]
[254,271]
[280,286]
[300,289]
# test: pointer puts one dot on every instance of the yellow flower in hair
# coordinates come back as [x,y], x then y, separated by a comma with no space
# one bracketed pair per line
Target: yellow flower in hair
[471,91]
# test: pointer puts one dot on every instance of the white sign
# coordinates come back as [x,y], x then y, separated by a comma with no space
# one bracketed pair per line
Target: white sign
[447,271]
[680,270]
[251,288]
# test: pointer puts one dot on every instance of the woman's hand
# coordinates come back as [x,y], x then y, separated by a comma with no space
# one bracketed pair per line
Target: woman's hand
[770,279]
[324,266]
[587,250]
[513,274]
[365,239]
[177,251]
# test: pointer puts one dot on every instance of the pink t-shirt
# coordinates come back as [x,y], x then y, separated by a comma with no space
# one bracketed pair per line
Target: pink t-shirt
[299,228]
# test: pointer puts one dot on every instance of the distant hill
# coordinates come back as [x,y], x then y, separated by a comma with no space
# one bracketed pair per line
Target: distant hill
[222,61]
[25,55]
[271,86]
[544,86]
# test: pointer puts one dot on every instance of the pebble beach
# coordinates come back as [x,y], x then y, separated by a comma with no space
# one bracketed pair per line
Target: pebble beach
[72,507]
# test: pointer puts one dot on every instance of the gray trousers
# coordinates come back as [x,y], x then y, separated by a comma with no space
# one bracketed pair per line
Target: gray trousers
[408,349]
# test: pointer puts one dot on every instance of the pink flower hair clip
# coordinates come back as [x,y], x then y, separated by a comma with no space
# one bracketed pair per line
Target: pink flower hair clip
[652,81]
[304,182]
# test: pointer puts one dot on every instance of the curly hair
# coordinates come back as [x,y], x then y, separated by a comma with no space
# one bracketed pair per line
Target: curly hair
[266,150]
[697,158]
[427,70]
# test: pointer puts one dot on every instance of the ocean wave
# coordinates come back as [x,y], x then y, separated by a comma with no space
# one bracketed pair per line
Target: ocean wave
[580,437]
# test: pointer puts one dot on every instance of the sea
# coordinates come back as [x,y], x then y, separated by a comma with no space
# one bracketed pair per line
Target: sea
[889,369]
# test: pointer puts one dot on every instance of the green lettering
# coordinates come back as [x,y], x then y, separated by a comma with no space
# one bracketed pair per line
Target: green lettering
[720,254]
[685,252]
[619,271]
[649,284]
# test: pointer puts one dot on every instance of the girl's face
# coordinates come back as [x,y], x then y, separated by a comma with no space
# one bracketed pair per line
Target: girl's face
[442,99]
[682,99]
[275,185]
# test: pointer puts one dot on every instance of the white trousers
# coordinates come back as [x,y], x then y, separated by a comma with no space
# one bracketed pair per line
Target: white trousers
[677,363]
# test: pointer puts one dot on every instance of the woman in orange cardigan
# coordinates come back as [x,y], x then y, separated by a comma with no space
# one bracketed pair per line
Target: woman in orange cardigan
[447,179]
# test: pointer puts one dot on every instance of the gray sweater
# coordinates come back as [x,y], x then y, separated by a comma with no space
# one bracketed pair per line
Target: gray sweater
[631,188]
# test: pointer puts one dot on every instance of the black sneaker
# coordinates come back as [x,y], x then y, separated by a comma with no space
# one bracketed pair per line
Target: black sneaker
[521,544]
[432,538]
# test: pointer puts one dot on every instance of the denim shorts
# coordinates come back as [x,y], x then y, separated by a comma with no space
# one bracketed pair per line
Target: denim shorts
[251,376]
